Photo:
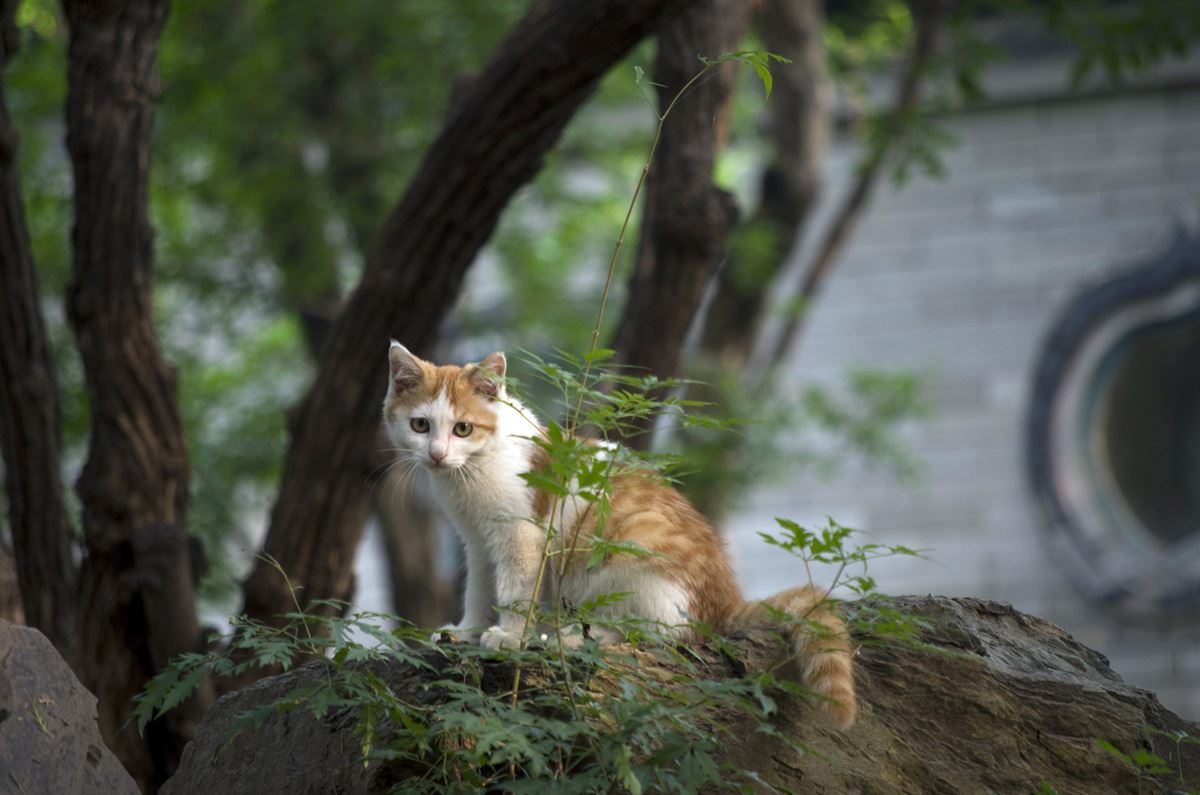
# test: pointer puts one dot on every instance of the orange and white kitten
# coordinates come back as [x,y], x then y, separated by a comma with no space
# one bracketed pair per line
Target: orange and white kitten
[472,438]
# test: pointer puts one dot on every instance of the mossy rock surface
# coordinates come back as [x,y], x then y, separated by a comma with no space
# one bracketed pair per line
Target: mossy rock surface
[999,702]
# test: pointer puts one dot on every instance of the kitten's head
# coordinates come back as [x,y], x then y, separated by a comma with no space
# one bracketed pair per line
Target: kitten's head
[442,416]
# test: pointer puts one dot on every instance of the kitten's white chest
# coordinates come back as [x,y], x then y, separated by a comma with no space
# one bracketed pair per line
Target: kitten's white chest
[488,497]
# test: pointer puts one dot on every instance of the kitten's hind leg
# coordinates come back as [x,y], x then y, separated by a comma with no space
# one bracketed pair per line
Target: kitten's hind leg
[650,603]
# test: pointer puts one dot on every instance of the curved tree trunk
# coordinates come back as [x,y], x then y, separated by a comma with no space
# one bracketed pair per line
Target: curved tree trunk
[137,580]
[29,413]
[492,144]
[687,218]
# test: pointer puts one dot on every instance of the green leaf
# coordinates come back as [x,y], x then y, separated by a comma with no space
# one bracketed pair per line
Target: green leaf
[764,701]
[1105,745]
[625,771]
[764,74]
[539,481]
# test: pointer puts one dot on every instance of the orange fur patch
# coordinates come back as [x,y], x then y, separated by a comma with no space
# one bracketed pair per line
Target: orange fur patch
[456,384]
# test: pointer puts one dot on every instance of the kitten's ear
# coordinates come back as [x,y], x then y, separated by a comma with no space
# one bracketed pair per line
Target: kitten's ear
[487,377]
[404,367]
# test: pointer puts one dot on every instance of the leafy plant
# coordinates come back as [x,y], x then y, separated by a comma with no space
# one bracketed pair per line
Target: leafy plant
[751,436]
[1149,765]
[648,715]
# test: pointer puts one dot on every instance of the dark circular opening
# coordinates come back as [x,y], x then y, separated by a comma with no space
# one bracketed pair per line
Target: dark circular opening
[1145,425]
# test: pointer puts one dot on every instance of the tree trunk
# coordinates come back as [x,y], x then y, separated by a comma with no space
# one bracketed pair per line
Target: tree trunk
[687,218]
[798,123]
[137,581]
[11,609]
[29,414]
[491,145]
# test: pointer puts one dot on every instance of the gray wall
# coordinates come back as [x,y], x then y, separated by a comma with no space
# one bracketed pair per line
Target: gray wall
[960,279]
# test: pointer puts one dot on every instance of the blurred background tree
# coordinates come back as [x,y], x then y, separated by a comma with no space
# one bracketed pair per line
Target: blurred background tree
[284,134]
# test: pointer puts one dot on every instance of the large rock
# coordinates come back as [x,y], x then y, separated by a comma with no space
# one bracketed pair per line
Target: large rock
[1002,702]
[49,740]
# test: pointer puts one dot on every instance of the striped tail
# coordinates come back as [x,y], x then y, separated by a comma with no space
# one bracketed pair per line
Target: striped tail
[820,642]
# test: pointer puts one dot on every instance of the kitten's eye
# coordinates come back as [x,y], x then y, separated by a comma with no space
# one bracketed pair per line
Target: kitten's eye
[463,429]
[419,424]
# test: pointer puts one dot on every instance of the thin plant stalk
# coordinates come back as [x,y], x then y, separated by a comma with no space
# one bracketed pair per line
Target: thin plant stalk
[573,418]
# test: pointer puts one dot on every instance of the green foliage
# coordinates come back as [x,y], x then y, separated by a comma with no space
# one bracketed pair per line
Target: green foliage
[1141,760]
[611,724]
[756,248]
[763,435]
[759,60]
[1122,39]
[913,141]
[232,410]
[866,416]
[867,40]
[1148,765]
[1117,39]
[881,37]
[831,546]
[582,717]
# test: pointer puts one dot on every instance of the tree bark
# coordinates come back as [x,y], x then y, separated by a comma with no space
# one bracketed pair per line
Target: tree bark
[798,125]
[491,145]
[687,218]
[11,609]
[29,413]
[137,583]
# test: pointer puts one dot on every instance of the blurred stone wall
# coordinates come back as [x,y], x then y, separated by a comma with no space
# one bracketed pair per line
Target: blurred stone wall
[960,279]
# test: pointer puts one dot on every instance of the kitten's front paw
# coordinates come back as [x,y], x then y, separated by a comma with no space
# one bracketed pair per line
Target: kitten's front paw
[497,638]
[455,634]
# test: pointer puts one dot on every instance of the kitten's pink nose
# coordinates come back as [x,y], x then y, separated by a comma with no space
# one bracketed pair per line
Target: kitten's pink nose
[438,456]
